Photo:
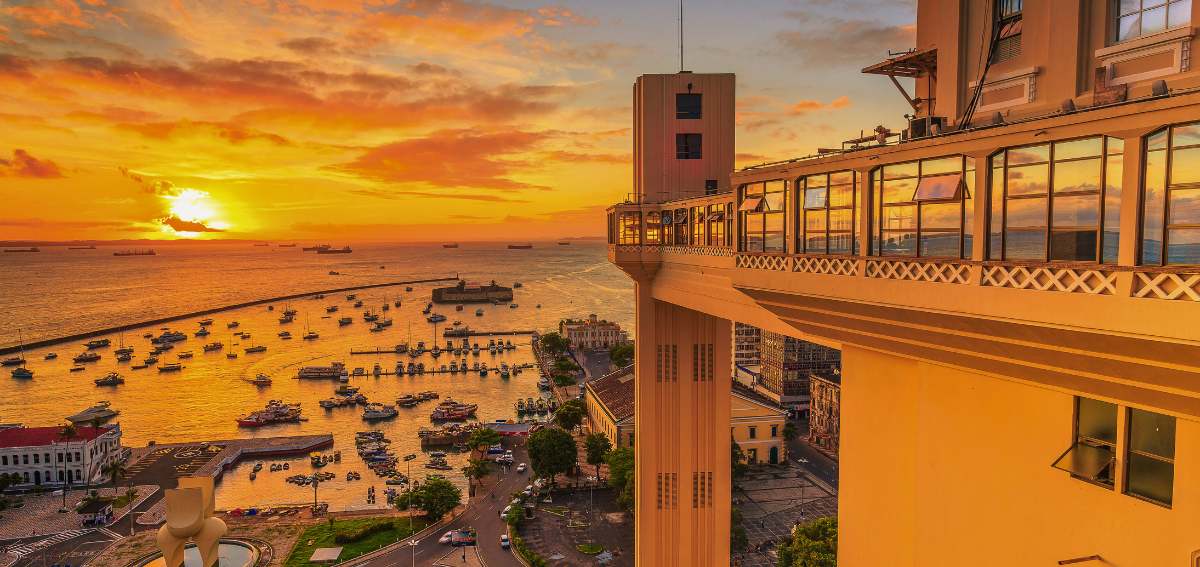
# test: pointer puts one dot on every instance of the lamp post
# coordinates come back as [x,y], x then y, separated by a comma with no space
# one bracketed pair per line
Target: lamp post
[413,545]
[409,459]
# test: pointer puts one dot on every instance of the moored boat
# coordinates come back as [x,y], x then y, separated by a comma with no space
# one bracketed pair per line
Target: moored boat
[110,379]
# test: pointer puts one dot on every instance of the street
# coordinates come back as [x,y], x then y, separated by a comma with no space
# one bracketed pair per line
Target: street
[819,464]
[483,515]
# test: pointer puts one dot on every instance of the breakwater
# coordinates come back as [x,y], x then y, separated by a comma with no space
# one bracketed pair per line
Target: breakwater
[210,311]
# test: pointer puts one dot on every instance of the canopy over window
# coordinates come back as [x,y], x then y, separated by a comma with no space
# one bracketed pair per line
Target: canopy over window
[939,188]
[716,215]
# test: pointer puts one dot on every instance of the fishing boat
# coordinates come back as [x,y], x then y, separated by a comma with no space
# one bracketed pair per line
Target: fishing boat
[256,348]
[110,379]
[333,371]
[261,380]
[98,343]
[170,367]
[377,411]
[285,335]
[100,412]
[211,347]
[206,322]
[85,357]
[144,252]
[345,321]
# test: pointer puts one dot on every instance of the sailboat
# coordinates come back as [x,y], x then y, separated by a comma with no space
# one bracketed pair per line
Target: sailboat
[308,333]
[21,373]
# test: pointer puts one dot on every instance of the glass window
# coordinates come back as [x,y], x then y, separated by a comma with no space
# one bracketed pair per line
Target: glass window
[716,225]
[925,208]
[827,222]
[687,106]
[688,146]
[629,227]
[1137,18]
[1150,471]
[698,223]
[654,227]
[1091,455]
[1051,201]
[1171,197]
[762,209]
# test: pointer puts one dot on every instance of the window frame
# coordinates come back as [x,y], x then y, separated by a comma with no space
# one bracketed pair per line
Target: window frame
[879,208]
[629,229]
[689,115]
[1168,186]
[1129,450]
[998,251]
[800,216]
[1112,445]
[1117,16]
[684,148]
[764,211]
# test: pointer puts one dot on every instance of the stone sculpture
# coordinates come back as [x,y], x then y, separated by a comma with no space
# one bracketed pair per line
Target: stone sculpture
[190,517]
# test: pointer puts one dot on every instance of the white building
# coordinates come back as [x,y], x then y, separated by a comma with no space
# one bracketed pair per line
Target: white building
[42,456]
[592,333]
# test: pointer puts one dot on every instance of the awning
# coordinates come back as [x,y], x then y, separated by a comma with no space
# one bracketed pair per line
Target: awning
[1086,461]
[751,204]
[716,216]
[912,64]
[1010,29]
[939,188]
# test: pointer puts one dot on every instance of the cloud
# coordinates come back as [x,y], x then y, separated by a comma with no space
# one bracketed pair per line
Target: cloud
[808,106]
[451,158]
[180,225]
[832,41]
[233,133]
[23,164]
[401,194]
[160,187]
[311,45]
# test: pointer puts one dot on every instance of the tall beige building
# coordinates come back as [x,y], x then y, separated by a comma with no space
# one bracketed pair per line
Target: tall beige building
[1013,282]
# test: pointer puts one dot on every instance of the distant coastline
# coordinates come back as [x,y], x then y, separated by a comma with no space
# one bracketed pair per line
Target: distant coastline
[149,242]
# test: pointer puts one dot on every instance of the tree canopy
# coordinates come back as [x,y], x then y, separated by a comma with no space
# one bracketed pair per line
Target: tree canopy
[552,451]
[813,544]
[555,343]
[436,497]
[569,416]
[620,475]
[598,446]
[621,355]
[483,438]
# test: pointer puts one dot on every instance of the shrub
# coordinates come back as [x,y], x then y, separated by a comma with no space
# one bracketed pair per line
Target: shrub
[590,548]
[361,532]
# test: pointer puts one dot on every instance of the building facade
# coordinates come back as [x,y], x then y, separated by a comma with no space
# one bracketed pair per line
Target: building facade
[592,333]
[747,344]
[757,428]
[825,412]
[786,365]
[42,456]
[608,401]
[1014,276]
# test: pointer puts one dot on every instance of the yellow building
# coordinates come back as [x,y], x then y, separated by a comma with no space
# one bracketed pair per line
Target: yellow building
[609,404]
[1013,282]
[757,428]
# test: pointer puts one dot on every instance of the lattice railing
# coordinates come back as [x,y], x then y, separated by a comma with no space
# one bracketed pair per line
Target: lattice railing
[755,262]
[1182,287]
[629,248]
[725,251]
[937,272]
[1051,278]
[826,265]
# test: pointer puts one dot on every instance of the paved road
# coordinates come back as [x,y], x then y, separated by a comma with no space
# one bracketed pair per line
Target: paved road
[818,463]
[483,515]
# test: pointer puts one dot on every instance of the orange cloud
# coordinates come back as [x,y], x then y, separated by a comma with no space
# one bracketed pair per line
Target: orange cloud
[807,106]
[23,164]
[179,225]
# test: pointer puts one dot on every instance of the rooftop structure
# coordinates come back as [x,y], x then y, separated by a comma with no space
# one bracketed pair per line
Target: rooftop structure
[1016,274]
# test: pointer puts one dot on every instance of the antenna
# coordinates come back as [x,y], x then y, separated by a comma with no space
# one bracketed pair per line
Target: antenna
[680,36]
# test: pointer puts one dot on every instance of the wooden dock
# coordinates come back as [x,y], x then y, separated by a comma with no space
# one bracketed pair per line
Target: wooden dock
[490,370]
[452,333]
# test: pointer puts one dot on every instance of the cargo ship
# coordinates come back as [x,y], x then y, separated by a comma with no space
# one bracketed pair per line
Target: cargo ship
[332,372]
[520,246]
[328,250]
[450,245]
[30,249]
[275,412]
[146,252]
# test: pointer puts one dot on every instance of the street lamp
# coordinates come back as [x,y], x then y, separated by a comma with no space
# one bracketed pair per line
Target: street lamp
[413,544]
[409,459]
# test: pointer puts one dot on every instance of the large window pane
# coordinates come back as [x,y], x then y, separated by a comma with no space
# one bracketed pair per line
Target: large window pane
[815,198]
[1184,205]
[1179,13]
[898,243]
[1076,211]
[1096,420]
[841,195]
[840,243]
[900,217]
[996,219]
[1184,246]
[1129,27]
[1114,177]
[841,220]
[1151,432]
[900,170]
[1073,245]
[1154,201]
[899,190]
[1079,175]
[814,221]
[774,202]
[1028,179]
[1026,213]
[1154,20]
[1025,245]
[1072,149]
[1151,478]
[1031,154]
[941,215]
[1185,165]
[941,166]
[940,244]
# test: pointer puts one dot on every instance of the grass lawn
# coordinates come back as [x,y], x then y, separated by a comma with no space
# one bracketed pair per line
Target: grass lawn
[321,535]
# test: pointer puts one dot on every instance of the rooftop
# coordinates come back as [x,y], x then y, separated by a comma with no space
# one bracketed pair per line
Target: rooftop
[39,436]
[615,392]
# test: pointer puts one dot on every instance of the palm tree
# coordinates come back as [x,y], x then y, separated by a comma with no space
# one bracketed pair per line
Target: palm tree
[66,434]
[116,471]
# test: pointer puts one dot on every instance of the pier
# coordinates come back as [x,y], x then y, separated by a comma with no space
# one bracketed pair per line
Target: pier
[456,333]
[215,457]
[189,315]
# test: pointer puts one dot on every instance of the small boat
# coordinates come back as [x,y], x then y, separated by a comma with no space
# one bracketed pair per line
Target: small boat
[134,367]
[203,332]
[170,367]
[13,361]
[210,347]
[517,285]
[342,250]
[261,380]
[22,373]
[184,355]
[256,348]
[334,273]
[99,343]
[351,296]
[512,305]
[346,390]
[358,303]
[520,246]
[285,335]
[331,309]
[345,321]
[110,379]
[81,369]
[85,357]
[408,288]
[311,335]
[30,249]
[232,325]
[377,411]
[286,319]
[206,322]
[479,312]
[458,307]
[102,411]
[51,356]
[231,355]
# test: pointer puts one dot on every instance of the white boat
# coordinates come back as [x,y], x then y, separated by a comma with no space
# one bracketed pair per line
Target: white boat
[333,371]
[375,411]
[102,411]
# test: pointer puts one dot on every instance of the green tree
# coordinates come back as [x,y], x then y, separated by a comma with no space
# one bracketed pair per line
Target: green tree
[790,432]
[568,416]
[555,343]
[738,539]
[483,438]
[621,355]
[68,432]
[437,497]
[476,469]
[737,460]
[116,471]
[621,475]
[564,380]
[552,451]
[813,544]
[565,366]
[598,446]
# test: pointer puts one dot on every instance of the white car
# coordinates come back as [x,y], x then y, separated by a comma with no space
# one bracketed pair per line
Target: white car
[446,537]
[504,541]
[521,467]
[505,511]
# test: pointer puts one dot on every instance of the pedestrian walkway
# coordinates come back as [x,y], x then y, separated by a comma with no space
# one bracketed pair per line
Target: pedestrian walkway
[26,549]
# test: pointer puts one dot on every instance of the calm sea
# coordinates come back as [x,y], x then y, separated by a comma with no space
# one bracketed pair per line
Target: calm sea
[60,292]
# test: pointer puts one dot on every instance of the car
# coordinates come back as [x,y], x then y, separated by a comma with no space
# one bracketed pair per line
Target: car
[504,541]
[528,491]
[515,501]
[802,460]
[505,511]
[446,537]
[521,467]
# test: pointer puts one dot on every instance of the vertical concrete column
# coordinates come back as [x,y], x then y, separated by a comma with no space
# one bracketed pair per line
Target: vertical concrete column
[681,446]
[1131,198]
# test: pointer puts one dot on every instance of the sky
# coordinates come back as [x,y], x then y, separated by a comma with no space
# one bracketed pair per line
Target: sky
[393,120]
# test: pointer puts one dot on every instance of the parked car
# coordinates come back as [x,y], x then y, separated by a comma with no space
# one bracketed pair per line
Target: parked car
[446,538]
[504,541]
[505,511]
[521,467]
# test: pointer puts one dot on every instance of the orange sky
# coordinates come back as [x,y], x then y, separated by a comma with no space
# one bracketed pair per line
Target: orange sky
[340,120]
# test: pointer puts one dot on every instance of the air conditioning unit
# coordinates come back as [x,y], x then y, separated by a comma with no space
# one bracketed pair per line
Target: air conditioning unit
[924,127]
